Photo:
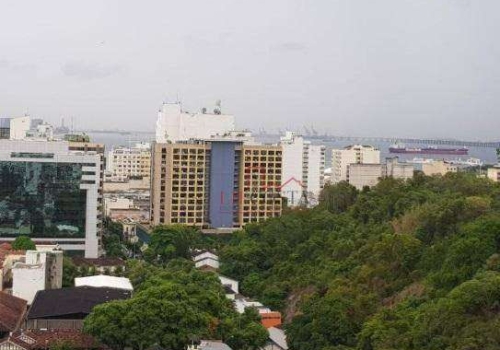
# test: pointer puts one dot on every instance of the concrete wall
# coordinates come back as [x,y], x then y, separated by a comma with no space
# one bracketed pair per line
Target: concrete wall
[41,270]
[361,175]
[438,167]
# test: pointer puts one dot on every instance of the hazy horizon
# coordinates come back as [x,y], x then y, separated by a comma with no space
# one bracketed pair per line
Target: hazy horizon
[386,68]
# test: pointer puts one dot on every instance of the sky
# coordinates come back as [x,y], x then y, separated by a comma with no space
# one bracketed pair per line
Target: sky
[396,68]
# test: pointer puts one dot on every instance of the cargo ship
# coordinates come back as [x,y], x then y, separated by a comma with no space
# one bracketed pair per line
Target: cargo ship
[428,150]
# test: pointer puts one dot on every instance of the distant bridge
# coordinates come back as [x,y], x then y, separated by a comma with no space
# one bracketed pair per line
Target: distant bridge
[422,141]
[459,143]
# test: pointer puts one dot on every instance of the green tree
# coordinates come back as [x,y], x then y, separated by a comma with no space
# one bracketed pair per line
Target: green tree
[174,305]
[170,242]
[339,197]
[23,243]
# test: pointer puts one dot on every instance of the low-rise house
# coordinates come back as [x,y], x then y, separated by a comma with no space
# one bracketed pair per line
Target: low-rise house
[206,260]
[226,281]
[276,340]
[38,340]
[209,345]
[101,281]
[101,265]
[270,318]
[66,308]
[12,312]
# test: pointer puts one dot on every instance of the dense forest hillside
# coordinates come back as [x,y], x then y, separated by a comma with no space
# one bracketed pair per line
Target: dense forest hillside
[412,265]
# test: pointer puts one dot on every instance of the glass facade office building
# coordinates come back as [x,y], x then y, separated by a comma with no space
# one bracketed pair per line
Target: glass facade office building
[52,194]
[41,199]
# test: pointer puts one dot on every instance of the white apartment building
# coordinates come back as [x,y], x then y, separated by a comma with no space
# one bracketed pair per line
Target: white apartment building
[51,194]
[129,162]
[361,175]
[355,154]
[303,171]
[174,124]
[438,167]
[41,270]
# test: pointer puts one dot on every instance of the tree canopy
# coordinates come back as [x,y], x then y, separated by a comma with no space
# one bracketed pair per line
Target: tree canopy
[173,306]
[23,243]
[404,265]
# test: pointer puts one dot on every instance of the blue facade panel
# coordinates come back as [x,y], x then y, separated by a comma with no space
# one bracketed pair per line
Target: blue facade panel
[222,175]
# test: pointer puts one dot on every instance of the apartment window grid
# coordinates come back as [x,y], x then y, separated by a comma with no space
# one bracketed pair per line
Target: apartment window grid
[189,185]
[261,184]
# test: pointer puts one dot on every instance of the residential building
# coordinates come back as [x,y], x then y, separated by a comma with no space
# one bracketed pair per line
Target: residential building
[124,163]
[303,170]
[51,194]
[270,318]
[355,154]
[394,168]
[67,308]
[438,167]
[216,183]
[209,345]
[276,340]
[233,284]
[100,281]
[12,312]
[494,173]
[206,260]
[50,339]
[361,175]
[175,124]
[40,270]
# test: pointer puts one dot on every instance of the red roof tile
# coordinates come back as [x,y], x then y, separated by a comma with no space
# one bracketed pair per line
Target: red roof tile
[36,339]
[12,310]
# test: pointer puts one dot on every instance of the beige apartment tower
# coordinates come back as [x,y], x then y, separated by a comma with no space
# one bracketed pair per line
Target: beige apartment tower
[215,183]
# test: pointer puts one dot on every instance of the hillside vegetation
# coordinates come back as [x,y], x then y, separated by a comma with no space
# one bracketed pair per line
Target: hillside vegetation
[412,265]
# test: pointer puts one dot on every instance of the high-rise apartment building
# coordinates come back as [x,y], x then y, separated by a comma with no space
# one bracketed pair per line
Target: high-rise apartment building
[303,170]
[216,183]
[129,162]
[355,154]
[52,194]
[174,124]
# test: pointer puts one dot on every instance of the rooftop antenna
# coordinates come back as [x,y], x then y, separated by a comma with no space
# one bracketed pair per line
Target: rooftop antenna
[218,109]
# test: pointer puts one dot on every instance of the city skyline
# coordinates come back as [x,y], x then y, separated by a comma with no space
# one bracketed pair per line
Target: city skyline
[344,68]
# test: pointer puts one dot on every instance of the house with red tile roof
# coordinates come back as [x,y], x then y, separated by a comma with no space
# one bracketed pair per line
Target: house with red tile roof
[38,340]
[12,313]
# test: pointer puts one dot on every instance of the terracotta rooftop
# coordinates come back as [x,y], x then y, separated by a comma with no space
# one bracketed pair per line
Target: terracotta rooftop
[6,250]
[12,310]
[36,339]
